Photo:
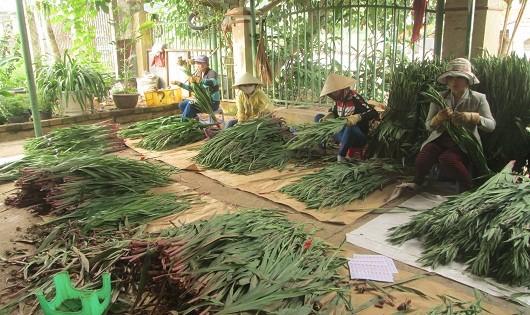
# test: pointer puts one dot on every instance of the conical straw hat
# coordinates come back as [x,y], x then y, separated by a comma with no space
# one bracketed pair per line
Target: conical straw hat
[247,78]
[336,82]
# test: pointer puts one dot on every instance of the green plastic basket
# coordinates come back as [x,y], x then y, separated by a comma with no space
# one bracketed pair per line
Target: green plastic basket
[93,302]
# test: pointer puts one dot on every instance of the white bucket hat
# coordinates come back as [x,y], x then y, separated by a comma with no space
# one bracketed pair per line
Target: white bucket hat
[247,78]
[201,58]
[459,67]
[336,82]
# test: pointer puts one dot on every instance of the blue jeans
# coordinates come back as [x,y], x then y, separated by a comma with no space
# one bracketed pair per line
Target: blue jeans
[348,137]
[189,111]
[231,123]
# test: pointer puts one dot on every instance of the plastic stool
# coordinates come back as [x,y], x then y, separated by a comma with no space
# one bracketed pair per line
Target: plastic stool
[356,150]
[90,299]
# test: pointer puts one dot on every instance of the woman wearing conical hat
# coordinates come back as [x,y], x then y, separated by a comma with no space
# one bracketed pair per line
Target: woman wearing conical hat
[350,105]
[464,107]
[251,100]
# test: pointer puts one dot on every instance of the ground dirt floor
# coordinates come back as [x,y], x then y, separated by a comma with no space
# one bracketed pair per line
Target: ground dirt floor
[14,224]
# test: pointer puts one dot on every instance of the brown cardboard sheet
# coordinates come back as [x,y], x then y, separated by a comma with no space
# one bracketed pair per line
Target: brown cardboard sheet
[267,184]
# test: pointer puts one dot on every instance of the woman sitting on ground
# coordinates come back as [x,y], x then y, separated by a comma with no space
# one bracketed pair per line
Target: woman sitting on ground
[251,100]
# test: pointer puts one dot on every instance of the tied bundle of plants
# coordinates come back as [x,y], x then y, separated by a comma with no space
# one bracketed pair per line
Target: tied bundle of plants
[103,139]
[99,138]
[174,135]
[251,262]
[486,229]
[402,130]
[66,182]
[130,209]
[342,183]
[505,81]
[309,136]
[11,170]
[144,127]
[250,147]
[465,140]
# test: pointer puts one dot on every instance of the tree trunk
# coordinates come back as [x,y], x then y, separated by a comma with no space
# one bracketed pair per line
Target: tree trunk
[32,32]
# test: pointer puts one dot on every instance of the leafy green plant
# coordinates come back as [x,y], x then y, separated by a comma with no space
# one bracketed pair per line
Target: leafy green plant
[15,105]
[124,46]
[69,76]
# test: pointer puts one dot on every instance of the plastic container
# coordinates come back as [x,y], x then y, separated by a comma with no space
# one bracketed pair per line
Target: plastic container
[163,97]
[93,302]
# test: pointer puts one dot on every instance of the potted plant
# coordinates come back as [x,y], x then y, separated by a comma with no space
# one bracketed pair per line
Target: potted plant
[47,106]
[15,108]
[124,93]
[69,80]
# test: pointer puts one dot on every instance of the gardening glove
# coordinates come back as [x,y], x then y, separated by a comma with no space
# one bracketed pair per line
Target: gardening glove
[353,119]
[409,187]
[195,79]
[442,116]
[463,118]
[328,115]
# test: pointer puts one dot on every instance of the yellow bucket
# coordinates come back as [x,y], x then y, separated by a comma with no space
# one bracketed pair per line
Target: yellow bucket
[163,97]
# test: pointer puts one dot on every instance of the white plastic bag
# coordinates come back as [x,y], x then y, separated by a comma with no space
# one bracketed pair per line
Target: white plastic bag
[147,83]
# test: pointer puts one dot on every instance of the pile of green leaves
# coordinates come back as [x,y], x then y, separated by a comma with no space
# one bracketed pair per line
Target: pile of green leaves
[309,136]
[96,138]
[486,229]
[505,81]
[402,129]
[66,182]
[465,140]
[64,248]
[74,139]
[11,170]
[254,261]
[174,135]
[250,147]
[342,183]
[129,209]
[145,127]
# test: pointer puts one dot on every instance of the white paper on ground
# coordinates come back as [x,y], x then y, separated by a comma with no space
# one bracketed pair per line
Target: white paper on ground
[360,270]
[376,260]
[372,267]
[374,233]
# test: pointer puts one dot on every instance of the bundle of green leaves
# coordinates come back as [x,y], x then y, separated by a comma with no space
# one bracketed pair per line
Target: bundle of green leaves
[173,135]
[255,261]
[486,229]
[43,151]
[342,183]
[103,138]
[310,135]
[505,82]
[68,181]
[402,129]
[130,209]
[143,128]
[248,147]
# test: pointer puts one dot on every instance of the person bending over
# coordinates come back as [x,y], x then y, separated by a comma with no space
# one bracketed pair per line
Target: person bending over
[251,100]
[350,105]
